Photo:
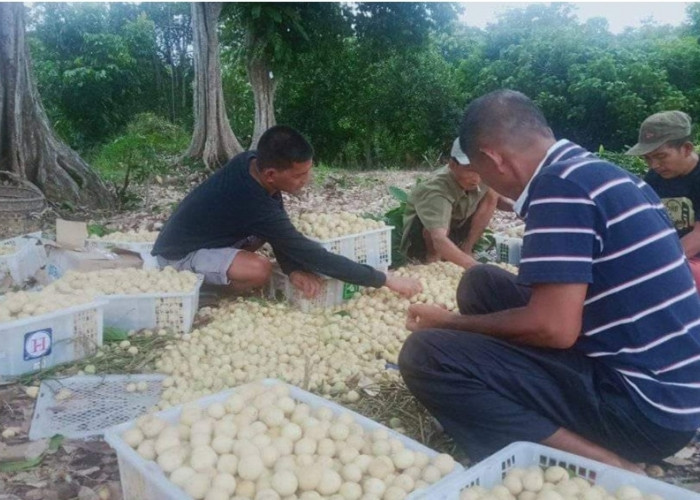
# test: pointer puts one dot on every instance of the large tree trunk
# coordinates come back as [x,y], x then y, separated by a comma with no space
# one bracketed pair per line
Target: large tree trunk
[264,85]
[28,145]
[213,140]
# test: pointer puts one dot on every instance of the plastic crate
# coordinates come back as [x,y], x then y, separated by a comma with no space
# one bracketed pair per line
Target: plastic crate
[174,311]
[371,247]
[23,239]
[21,265]
[141,248]
[40,342]
[491,471]
[333,292]
[96,402]
[143,479]
[508,249]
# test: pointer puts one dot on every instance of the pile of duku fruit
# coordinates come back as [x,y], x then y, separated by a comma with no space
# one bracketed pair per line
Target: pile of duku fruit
[320,351]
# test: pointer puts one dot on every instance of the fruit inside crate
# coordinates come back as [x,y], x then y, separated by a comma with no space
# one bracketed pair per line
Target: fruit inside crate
[489,474]
[144,478]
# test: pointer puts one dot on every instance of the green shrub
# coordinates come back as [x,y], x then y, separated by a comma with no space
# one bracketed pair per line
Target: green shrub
[147,148]
[633,164]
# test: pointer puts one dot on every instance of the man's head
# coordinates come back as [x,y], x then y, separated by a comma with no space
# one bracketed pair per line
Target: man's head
[665,144]
[505,136]
[467,178]
[284,159]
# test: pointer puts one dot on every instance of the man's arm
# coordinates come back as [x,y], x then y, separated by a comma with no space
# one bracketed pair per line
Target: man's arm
[691,242]
[552,318]
[447,250]
[504,203]
[480,219]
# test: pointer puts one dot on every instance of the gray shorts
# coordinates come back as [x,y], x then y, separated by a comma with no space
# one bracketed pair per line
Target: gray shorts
[212,263]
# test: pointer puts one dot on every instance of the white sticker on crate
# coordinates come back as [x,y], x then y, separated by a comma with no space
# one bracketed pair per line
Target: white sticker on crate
[37,343]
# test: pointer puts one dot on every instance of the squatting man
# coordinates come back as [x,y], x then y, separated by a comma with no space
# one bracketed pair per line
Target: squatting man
[217,228]
[447,213]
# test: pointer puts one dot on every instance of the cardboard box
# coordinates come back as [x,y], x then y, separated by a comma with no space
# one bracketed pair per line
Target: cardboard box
[68,253]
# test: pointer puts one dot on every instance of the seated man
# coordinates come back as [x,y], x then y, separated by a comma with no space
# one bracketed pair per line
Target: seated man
[218,226]
[447,213]
[665,144]
[595,349]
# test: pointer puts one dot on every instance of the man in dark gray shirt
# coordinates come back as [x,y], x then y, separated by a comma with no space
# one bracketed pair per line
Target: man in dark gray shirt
[219,225]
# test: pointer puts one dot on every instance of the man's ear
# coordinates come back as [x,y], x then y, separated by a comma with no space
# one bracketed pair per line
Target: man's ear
[688,148]
[495,157]
[268,175]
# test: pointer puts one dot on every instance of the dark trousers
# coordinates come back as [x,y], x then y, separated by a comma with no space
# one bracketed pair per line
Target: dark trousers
[488,393]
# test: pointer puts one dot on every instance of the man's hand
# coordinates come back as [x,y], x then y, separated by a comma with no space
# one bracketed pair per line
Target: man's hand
[309,283]
[424,316]
[406,287]
[469,253]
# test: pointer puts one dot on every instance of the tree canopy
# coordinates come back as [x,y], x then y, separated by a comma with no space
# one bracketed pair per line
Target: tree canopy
[371,84]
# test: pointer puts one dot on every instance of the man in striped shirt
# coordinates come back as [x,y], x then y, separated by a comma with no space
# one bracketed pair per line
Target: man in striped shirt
[595,347]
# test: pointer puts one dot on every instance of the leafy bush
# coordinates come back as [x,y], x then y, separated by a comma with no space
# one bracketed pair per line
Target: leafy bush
[394,217]
[146,148]
[633,164]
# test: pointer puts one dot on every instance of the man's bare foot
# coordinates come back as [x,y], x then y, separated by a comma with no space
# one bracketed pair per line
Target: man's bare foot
[630,466]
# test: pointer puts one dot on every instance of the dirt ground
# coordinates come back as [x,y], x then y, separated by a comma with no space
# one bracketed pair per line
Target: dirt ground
[88,470]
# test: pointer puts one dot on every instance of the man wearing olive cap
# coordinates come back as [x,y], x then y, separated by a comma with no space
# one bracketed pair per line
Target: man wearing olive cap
[665,144]
[447,213]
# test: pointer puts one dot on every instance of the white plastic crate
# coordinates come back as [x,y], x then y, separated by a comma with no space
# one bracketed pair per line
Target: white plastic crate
[143,479]
[95,403]
[141,248]
[370,247]
[508,249]
[173,311]
[40,342]
[491,471]
[333,292]
[23,239]
[23,263]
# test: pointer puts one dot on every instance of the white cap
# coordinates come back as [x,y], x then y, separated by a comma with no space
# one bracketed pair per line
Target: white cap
[458,154]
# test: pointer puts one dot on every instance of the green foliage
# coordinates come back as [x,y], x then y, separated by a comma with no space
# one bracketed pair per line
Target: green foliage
[372,85]
[98,65]
[145,149]
[392,111]
[113,334]
[96,230]
[394,217]
[633,164]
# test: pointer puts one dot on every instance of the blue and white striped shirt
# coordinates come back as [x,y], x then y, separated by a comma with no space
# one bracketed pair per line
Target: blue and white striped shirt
[589,221]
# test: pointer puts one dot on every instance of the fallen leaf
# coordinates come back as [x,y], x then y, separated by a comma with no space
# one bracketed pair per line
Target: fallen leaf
[87,472]
[86,493]
[678,462]
[24,451]
[686,452]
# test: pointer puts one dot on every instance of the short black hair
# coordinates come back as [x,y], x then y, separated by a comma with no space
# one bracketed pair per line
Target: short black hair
[501,115]
[678,143]
[281,146]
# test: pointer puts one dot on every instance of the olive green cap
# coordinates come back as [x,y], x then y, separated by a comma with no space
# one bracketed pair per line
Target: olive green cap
[660,128]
